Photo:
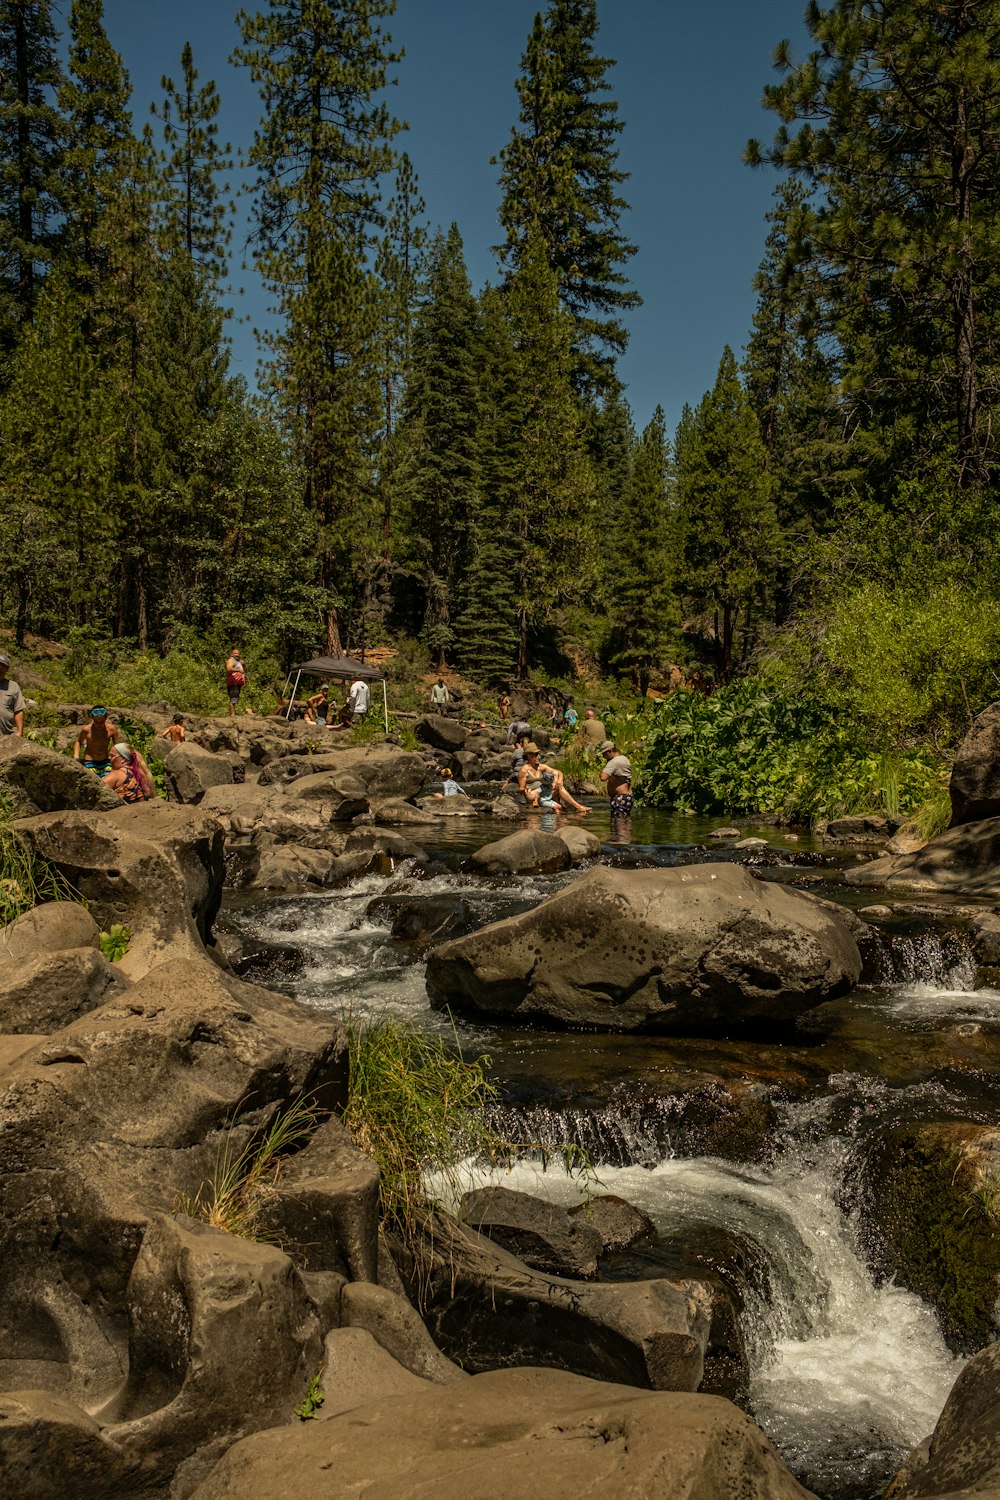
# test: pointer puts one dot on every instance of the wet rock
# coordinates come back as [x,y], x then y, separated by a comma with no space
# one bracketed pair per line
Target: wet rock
[530,852]
[347,867]
[382,841]
[751,844]
[580,843]
[906,840]
[52,782]
[45,993]
[291,866]
[396,1325]
[156,868]
[876,912]
[423,920]
[487,1310]
[448,807]
[442,733]
[265,963]
[858,828]
[506,808]
[683,951]
[725,833]
[928,1197]
[386,772]
[962,1456]
[401,815]
[964,858]
[519,1434]
[975,776]
[619,1223]
[190,771]
[543,1235]
[46,929]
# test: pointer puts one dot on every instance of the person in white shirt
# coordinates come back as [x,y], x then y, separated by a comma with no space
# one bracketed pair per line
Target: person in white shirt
[358,700]
[440,696]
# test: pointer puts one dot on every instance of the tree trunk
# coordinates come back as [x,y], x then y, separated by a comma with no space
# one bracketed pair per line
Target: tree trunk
[970,457]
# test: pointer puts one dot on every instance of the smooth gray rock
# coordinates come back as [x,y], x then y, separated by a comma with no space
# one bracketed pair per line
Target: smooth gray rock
[580,842]
[191,770]
[47,992]
[681,951]
[53,782]
[965,858]
[619,1224]
[542,1234]
[47,928]
[446,735]
[529,852]
[395,1324]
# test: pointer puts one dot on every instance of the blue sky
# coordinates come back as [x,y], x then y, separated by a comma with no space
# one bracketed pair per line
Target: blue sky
[688,82]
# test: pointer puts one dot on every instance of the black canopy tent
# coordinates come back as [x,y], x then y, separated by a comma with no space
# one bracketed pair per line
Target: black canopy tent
[340,668]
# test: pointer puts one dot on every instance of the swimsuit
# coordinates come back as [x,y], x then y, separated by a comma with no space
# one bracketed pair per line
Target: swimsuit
[621,804]
[130,790]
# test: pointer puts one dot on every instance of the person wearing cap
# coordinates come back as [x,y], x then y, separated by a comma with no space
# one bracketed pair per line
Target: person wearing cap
[530,783]
[617,777]
[11,700]
[318,706]
[93,743]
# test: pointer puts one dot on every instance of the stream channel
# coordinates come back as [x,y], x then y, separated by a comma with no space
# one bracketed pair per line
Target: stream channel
[846,1374]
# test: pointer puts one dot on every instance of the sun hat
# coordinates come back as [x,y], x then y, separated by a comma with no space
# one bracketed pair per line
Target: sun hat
[531,748]
[444,772]
[607,746]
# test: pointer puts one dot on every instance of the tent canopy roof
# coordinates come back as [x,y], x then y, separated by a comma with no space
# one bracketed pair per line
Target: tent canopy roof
[340,667]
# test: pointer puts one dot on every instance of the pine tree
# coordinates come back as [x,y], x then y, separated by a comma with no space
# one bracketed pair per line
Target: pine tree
[94,98]
[560,181]
[196,213]
[643,602]
[728,518]
[442,429]
[320,150]
[30,140]
[556,544]
[897,111]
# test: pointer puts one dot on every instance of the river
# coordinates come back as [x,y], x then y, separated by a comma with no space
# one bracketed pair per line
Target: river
[846,1374]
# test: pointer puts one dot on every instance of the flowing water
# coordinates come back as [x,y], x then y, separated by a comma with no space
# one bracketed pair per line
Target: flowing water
[846,1374]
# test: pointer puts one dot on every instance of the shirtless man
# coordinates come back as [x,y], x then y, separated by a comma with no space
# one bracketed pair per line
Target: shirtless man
[93,743]
[617,777]
[529,781]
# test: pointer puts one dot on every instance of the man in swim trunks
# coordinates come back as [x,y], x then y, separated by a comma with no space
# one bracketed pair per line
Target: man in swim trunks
[617,777]
[93,743]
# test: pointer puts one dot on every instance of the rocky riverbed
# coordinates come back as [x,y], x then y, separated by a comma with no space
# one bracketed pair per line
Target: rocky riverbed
[780,1057]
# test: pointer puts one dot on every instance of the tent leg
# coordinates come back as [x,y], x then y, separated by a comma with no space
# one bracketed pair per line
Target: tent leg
[288,710]
[385,704]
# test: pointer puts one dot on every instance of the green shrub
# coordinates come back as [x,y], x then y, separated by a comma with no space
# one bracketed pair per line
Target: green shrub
[114,942]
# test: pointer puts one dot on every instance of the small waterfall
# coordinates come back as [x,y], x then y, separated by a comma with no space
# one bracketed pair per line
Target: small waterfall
[845,1376]
[941,959]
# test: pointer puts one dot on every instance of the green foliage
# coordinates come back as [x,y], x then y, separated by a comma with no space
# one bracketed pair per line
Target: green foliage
[243,1181]
[753,750]
[414,1106]
[308,1407]
[114,942]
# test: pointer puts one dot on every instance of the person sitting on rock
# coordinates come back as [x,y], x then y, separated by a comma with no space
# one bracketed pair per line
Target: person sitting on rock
[617,777]
[129,775]
[93,743]
[175,730]
[449,786]
[318,706]
[529,781]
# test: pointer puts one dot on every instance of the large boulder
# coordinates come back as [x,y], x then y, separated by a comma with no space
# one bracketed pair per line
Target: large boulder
[45,993]
[441,733]
[542,1234]
[517,1434]
[191,770]
[963,1454]
[580,842]
[155,867]
[487,1310]
[47,928]
[53,782]
[265,811]
[386,772]
[964,858]
[975,776]
[687,951]
[529,852]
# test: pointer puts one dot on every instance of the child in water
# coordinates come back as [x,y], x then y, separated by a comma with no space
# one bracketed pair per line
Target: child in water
[451,787]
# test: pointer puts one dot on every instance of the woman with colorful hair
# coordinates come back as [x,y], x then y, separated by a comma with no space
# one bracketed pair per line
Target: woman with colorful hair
[129,775]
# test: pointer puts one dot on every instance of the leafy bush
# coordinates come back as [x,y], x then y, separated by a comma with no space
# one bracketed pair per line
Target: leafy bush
[114,942]
[752,750]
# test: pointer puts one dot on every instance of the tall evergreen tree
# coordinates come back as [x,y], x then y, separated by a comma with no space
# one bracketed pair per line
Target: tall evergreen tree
[320,150]
[724,491]
[196,213]
[642,599]
[442,422]
[30,138]
[561,182]
[895,118]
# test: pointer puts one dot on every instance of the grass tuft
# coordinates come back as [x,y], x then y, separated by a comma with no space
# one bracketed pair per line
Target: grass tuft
[243,1181]
[25,878]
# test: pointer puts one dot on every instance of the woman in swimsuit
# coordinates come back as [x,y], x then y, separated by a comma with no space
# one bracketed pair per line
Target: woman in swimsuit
[529,781]
[129,775]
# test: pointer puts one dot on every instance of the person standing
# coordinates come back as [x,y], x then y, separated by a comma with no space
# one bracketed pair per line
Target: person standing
[617,778]
[358,700]
[440,696]
[503,706]
[236,677]
[11,701]
[93,743]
